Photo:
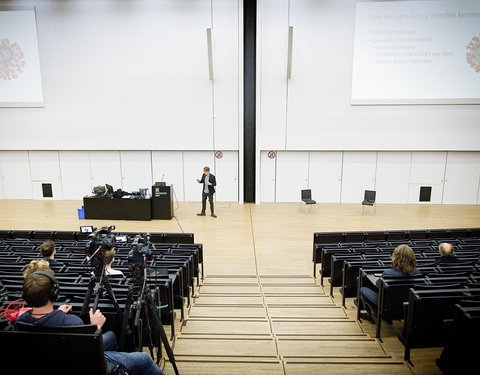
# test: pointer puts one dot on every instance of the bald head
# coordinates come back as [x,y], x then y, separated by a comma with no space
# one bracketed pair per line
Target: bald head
[445,249]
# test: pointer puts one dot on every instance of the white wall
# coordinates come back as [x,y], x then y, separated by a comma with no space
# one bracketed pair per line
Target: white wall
[132,75]
[73,174]
[342,177]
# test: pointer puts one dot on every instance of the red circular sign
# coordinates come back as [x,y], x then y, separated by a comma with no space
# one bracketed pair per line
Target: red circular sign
[272,154]
[219,154]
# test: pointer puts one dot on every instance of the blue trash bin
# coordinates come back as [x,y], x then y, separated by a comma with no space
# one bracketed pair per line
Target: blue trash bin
[81,213]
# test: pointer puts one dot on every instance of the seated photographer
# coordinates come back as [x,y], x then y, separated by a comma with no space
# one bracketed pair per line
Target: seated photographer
[40,290]
[109,258]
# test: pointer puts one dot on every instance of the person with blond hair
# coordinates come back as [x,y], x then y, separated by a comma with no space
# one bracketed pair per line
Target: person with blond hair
[34,266]
[404,264]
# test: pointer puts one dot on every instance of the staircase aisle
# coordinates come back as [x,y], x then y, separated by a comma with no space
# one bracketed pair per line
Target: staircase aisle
[248,324]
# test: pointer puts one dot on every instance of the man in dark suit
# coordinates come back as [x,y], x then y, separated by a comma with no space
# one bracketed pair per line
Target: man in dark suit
[209,182]
[447,256]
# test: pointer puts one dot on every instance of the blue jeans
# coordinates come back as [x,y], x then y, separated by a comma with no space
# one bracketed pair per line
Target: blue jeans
[135,362]
[368,297]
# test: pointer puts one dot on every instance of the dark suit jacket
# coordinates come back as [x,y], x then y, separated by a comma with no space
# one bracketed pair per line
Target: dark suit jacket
[447,259]
[212,180]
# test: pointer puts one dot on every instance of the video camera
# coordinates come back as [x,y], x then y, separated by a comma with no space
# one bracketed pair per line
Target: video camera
[138,256]
[99,241]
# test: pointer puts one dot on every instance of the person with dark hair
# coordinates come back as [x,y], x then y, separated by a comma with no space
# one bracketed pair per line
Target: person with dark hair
[47,251]
[447,255]
[209,182]
[41,290]
[404,264]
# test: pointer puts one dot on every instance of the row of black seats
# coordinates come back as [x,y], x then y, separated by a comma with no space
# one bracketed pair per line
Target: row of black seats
[413,234]
[78,236]
[173,268]
[394,292]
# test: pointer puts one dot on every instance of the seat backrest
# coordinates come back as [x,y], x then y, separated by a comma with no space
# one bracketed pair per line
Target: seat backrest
[80,353]
[306,194]
[370,195]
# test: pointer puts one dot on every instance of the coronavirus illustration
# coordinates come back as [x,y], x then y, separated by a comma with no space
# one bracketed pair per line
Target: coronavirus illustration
[12,60]
[473,53]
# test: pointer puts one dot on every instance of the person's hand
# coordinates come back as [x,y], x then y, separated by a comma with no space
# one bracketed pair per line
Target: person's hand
[198,180]
[65,308]
[97,318]
[209,183]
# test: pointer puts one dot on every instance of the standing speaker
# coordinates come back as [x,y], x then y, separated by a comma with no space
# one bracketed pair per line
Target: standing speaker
[162,202]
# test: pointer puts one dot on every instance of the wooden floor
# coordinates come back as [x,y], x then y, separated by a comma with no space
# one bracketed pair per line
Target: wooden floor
[259,309]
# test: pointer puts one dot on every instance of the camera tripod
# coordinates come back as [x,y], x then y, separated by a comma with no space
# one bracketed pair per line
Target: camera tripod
[146,310]
[97,285]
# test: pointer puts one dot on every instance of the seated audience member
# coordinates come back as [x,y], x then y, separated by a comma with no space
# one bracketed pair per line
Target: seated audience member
[109,258]
[47,251]
[447,255]
[37,291]
[35,265]
[404,264]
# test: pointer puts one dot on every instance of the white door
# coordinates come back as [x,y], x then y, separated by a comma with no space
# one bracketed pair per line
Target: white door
[105,169]
[75,172]
[226,167]
[325,176]
[427,170]
[268,167]
[462,178]
[393,176]
[45,169]
[358,175]
[136,170]
[17,183]
[193,164]
[292,175]
[167,166]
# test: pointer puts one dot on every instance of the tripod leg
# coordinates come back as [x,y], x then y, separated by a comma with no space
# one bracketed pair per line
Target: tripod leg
[126,315]
[112,297]
[88,296]
[164,337]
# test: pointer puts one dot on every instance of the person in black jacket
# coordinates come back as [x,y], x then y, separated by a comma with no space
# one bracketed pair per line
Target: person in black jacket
[209,182]
[447,255]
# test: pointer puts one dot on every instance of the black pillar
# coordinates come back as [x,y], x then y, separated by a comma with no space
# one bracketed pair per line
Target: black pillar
[249,70]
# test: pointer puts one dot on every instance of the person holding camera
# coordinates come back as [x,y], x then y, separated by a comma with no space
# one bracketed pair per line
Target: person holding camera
[41,290]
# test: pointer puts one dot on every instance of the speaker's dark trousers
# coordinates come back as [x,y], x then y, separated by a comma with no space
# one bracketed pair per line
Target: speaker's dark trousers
[204,201]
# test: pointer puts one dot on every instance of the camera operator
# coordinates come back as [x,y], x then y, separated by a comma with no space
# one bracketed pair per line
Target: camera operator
[39,290]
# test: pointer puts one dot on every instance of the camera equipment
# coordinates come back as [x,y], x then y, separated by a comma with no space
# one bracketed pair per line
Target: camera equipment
[138,256]
[146,322]
[98,243]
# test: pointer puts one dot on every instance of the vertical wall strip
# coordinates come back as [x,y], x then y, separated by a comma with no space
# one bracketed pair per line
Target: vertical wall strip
[249,97]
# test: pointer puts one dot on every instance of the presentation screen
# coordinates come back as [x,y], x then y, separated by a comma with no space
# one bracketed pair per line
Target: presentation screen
[416,52]
[20,76]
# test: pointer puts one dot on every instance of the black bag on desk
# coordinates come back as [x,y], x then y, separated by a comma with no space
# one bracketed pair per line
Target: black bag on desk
[99,190]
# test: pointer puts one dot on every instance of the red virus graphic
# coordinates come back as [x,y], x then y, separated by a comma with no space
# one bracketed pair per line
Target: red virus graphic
[12,60]
[473,53]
